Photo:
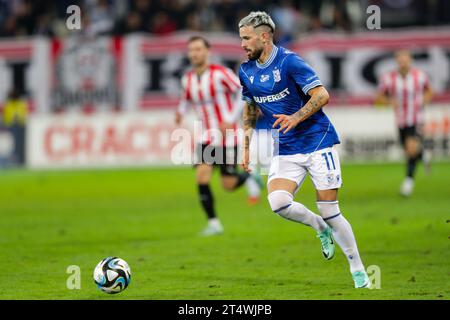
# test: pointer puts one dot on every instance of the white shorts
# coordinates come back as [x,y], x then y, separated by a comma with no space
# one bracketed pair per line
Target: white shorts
[323,166]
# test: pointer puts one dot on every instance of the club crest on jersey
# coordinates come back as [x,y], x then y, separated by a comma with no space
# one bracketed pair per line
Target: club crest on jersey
[276,75]
[251,79]
[264,78]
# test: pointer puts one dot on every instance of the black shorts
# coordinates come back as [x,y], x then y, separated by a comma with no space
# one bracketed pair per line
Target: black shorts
[224,158]
[406,132]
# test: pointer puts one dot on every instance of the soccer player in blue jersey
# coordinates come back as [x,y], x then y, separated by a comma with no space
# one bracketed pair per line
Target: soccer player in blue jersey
[291,96]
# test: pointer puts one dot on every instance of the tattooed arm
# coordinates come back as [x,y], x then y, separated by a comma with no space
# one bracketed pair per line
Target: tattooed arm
[250,117]
[319,98]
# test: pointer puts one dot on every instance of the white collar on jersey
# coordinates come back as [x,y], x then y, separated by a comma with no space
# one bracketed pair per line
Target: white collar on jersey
[273,54]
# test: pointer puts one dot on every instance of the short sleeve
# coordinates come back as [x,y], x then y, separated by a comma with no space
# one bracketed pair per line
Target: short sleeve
[184,95]
[246,95]
[302,73]
[230,80]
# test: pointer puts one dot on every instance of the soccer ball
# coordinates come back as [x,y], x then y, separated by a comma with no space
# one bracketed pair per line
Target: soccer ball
[112,275]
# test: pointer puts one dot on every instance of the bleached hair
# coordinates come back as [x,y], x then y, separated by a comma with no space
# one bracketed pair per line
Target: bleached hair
[256,19]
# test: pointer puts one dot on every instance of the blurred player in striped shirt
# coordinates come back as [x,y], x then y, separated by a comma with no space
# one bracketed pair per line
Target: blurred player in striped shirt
[215,94]
[408,90]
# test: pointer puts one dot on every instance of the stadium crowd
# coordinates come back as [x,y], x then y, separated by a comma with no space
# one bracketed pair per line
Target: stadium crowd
[162,17]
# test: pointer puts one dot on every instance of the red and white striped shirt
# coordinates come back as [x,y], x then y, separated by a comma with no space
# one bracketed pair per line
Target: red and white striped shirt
[216,98]
[409,95]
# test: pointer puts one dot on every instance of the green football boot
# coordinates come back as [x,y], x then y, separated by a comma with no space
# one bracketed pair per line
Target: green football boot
[326,238]
[361,280]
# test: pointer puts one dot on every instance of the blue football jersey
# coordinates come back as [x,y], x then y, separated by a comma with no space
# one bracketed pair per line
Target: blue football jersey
[280,86]
[261,123]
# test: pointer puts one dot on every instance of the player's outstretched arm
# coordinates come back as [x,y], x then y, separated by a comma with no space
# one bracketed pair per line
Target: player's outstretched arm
[250,117]
[181,110]
[319,98]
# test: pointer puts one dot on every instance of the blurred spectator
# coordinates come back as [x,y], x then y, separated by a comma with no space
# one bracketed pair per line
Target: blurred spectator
[204,16]
[15,110]
[341,16]
[146,9]
[131,23]
[226,10]
[43,26]
[5,10]
[286,18]
[331,15]
[9,27]
[15,113]
[162,24]
[193,22]
[24,18]
[100,16]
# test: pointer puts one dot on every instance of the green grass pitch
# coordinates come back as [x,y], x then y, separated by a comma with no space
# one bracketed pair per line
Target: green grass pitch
[151,217]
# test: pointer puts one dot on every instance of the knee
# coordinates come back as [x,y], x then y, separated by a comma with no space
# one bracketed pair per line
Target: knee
[328,209]
[228,183]
[279,201]
[228,187]
[410,151]
[411,147]
[203,177]
[202,180]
